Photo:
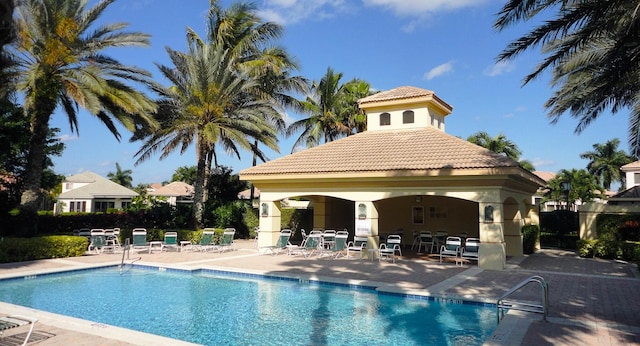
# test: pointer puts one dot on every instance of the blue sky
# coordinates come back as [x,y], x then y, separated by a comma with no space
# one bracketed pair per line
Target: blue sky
[448,46]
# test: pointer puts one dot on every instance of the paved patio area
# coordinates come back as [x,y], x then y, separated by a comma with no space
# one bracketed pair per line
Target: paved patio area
[592,301]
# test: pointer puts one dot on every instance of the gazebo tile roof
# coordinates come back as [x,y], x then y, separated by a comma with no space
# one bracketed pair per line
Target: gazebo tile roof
[393,150]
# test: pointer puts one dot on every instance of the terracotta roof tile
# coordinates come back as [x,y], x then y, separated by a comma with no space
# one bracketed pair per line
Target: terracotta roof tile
[393,150]
[546,176]
[631,166]
[403,92]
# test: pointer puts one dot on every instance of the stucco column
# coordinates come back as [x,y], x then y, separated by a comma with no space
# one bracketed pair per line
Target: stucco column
[492,251]
[366,221]
[269,214]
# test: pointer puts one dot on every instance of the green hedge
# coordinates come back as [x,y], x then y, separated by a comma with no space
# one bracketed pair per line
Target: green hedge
[530,237]
[618,238]
[29,249]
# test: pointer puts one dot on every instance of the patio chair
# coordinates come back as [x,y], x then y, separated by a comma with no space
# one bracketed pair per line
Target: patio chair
[226,243]
[15,321]
[357,246]
[313,245]
[389,249]
[426,239]
[470,249]
[451,248]
[205,243]
[170,241]
[340,245]
[139,242]
[98,242]
[111,239]
[283,241]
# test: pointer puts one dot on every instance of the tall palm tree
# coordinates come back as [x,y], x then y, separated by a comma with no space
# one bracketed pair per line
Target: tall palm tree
[207,104]
[61,62]
[592,49]
[605,161]
[122,177]
[498,144]
[332,109]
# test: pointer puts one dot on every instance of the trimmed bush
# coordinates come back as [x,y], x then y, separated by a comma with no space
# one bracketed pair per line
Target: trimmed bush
[530,237]
[29,249]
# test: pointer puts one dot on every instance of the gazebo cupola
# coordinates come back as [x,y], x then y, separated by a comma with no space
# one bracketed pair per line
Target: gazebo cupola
[404,108]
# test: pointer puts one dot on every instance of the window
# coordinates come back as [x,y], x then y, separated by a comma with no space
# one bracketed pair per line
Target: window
[79,207]
[385,119]
[103,206]
[636,178]
[125,205]
[407,117]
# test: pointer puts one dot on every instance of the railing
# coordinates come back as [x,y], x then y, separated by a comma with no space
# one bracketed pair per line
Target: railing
[504,304]
[125,250]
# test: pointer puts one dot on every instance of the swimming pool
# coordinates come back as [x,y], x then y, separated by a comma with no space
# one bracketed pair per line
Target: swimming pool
[211,307]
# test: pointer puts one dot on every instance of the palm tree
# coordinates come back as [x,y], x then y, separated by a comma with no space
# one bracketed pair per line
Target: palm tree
[349,109]
[61,62]
[605,161]
[332,109]
[210,102]
[498,144]
[592,50]
[583,187]
[121,177]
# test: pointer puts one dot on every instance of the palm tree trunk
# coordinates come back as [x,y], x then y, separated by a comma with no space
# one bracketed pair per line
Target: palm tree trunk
[30,198]
[198,187]
[255,161]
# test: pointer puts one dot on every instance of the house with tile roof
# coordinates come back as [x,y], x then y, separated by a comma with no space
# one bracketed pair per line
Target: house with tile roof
[90,192]
[174,192]
[403,175]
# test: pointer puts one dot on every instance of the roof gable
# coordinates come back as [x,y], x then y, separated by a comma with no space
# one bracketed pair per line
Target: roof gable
[97,187]
[176,188]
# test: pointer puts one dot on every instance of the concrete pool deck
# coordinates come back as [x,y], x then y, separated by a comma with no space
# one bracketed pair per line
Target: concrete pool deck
[591,301]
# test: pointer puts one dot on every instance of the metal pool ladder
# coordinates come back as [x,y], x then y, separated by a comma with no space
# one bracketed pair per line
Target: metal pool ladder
[504,304]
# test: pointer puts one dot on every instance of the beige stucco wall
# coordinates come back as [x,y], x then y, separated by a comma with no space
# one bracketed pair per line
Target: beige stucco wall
[423,117]
[589,212]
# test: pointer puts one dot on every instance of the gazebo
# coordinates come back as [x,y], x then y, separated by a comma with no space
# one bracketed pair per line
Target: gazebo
[404,175]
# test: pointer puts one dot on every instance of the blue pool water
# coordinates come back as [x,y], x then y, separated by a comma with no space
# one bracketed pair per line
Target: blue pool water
[209,308]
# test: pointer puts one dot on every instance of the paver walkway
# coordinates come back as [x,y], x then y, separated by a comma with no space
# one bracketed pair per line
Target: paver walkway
[592,301]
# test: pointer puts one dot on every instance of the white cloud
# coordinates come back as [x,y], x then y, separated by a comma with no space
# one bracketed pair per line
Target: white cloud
[419,8]
[293,11]
[499,68]
[439,70]
[539,162]
[67,138]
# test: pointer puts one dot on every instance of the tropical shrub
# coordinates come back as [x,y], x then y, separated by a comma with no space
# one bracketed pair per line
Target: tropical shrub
[530,237]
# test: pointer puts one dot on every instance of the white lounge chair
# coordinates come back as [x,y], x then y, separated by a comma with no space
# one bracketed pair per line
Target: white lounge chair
[139,241]
[357,246]
[470,249]
[170,241]
[98,242]
[15,321]
[388,250]
[281,243]
[451,248]
[226,243]
[426,239]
